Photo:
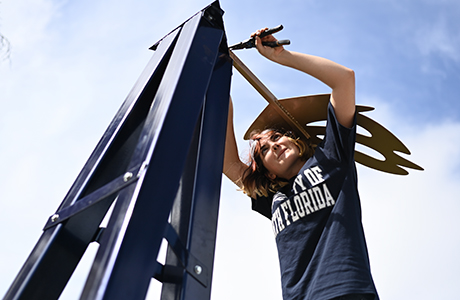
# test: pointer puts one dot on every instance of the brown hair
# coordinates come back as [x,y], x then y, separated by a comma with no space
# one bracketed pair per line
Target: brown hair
[256,180]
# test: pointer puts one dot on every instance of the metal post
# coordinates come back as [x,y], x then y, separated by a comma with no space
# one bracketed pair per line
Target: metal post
[175,116]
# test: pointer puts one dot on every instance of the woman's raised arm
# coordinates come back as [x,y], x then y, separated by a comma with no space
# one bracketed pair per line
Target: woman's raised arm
[339,78]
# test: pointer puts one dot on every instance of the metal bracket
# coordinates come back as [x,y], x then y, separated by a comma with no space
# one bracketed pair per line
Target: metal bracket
[191,264]
[110,188]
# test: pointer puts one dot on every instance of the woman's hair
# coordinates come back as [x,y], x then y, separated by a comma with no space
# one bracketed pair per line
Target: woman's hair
[256,180]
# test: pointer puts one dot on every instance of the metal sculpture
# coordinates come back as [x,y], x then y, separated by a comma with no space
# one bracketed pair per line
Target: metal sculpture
[296,113]
[148,175]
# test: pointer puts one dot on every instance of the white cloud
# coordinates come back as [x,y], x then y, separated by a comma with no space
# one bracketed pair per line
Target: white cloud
[440,39]
[24,23]
[409,220]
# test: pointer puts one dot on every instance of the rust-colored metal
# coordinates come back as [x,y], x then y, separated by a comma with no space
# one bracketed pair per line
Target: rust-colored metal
[265,92]
[296,113]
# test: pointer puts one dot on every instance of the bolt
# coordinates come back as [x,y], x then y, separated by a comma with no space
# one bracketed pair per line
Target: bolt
[54,218]
[198,269]
[127,176]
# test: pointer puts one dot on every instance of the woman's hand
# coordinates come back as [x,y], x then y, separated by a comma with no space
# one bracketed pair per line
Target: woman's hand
[337,77]
[268,52]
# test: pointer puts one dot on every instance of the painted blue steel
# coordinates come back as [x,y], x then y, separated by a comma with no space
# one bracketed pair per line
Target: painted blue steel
[100,194]
[195,211]
[203,224]
[58,251]
[173,124]
[103,264]
[185,258]
[180,221]
[139,232]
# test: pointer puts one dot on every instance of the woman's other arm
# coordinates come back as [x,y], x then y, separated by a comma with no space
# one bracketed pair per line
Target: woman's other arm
[233,166]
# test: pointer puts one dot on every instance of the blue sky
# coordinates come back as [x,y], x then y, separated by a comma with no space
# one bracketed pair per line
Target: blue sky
[72,63]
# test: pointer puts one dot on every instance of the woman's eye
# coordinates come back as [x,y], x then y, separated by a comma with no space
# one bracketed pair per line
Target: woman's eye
[276,137]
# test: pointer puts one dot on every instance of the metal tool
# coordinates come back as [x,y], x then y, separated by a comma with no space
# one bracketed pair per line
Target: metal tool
[251,43]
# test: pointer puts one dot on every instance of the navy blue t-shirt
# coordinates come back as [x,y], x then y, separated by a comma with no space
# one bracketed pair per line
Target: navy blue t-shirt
[317,223]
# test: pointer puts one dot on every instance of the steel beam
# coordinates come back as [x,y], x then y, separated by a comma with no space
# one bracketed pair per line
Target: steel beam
[169,131]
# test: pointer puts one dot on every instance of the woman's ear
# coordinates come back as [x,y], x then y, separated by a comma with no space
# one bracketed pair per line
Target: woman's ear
[271,176]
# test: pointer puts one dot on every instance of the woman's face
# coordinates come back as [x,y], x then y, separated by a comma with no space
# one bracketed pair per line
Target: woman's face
[280,156]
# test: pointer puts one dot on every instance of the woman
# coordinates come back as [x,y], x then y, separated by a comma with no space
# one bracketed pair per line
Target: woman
[310,194]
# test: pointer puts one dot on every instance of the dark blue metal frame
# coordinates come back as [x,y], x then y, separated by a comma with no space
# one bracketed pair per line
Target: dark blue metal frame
[164,147]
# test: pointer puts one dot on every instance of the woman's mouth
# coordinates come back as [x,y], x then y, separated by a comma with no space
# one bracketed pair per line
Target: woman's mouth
[281,152]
